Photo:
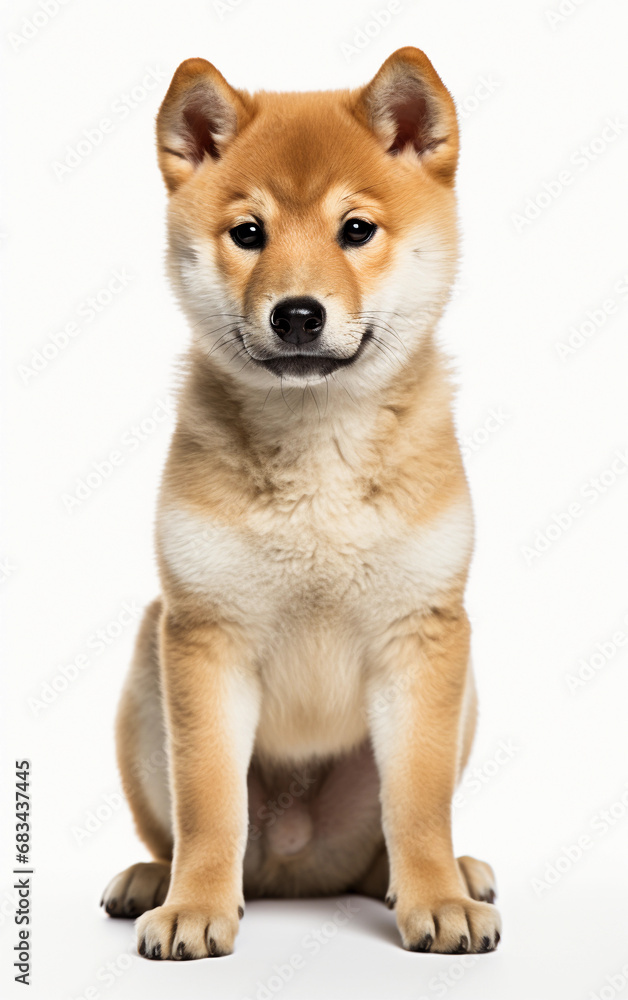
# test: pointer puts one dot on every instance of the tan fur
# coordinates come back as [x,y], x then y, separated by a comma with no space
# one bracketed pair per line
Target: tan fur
[139,712]
[313,535]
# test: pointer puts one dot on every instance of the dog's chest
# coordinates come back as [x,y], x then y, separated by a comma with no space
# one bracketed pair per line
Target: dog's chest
[314,573]
[314,553]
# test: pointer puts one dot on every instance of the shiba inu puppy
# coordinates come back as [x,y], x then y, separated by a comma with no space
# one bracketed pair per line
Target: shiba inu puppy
[301,702]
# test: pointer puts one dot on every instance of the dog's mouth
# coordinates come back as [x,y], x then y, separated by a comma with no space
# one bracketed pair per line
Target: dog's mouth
[307,366]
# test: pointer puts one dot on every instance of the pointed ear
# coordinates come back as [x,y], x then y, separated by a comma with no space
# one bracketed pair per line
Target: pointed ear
[199,115]
[408,107]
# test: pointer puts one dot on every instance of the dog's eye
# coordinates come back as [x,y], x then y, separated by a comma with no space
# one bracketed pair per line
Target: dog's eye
[248,235]
[356,231]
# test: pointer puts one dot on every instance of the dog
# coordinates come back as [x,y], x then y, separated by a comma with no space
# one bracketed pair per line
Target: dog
[301,701]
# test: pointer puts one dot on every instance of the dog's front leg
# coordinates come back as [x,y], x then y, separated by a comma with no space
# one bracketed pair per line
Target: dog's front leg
[417,700]
[211,695]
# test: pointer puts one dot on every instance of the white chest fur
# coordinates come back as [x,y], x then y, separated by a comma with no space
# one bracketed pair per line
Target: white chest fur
[313,561]
[315,580]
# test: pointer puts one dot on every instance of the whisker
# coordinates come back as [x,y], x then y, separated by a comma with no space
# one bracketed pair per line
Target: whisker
[284,398]
[205,319]
[312,394]
[342,386]
[395,334]
[441,254]
[224,341]
[381,345]
[267,395]
[227,344]
[212,333]
[391,348]
[241,351]
[383,325]
[378,312]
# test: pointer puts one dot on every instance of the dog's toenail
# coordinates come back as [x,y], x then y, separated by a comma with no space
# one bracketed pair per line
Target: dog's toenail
[156,952]
[390,902]
[498,938]
[142,948]
[424,944]
[240,912]
[463,944]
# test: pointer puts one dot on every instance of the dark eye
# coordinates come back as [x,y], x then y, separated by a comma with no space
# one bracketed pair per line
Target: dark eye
[356,231]
[249,235]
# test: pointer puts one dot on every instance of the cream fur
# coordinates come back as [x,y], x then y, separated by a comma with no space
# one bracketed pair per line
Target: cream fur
[306,672]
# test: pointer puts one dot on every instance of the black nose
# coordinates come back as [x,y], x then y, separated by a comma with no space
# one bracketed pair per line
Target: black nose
[298,320]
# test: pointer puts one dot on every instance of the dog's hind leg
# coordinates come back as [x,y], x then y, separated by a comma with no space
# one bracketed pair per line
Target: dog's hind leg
[143,764]
[479,878]
[137,889]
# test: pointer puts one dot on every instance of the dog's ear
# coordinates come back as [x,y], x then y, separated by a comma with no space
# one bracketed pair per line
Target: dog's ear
[408,107]
[199,115]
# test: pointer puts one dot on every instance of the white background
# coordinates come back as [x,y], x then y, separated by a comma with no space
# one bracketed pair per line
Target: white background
[523,286]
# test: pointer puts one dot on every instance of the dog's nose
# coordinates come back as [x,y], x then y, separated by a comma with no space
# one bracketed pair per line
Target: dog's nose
[298,320]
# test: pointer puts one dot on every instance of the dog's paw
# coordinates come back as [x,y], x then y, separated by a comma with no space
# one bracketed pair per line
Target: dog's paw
[180,932]
[450,927]
[479,878]
[138,888]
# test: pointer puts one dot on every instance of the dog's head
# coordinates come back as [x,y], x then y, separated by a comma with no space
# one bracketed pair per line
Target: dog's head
[311,234]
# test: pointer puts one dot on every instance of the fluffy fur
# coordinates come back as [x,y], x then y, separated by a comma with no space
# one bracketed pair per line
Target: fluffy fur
[301,702]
